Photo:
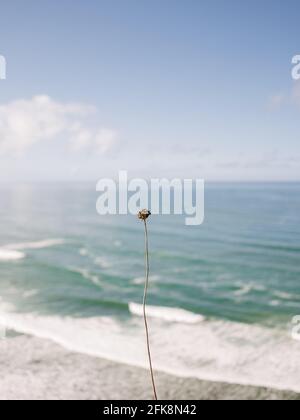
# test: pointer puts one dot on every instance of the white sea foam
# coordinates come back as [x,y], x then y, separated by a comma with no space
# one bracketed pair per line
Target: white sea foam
[247,288]
[85,273]
[166,314]
[5,307]
[212,350]
[141,280]
[138,280]
[13,252]
[30,293]
[83,252]
[244,290]
[285,296]
[10,255]
[102,262]
[274,303]
[47,243]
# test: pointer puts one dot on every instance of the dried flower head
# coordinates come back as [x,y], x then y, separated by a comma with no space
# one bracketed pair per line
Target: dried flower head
[144,214]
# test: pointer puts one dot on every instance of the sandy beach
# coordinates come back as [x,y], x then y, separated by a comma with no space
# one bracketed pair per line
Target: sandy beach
[37,369]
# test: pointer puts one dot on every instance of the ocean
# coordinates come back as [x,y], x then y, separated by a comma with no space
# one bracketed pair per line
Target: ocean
[222,295]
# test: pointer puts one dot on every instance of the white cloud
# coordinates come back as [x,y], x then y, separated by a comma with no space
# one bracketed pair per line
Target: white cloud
[23,123]
[104,139]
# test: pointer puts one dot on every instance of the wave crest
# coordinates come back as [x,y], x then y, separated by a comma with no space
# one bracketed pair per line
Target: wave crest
[11,255]
[167,314]
[47,243]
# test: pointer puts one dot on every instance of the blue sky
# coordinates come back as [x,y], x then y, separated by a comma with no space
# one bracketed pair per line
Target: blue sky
[162,88]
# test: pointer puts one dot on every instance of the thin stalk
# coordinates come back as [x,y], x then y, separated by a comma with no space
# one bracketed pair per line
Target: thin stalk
[144,307]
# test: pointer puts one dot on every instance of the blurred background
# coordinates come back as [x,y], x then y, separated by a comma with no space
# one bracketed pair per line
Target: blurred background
[161,89]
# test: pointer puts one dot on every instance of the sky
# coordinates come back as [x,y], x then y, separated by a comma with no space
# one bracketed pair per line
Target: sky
[160,88]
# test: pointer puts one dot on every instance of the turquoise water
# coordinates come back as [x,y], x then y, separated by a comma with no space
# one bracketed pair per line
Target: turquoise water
[242,264]
[240,267]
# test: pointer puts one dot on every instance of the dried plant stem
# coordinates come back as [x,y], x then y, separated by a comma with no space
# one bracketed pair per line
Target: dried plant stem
[144,307]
